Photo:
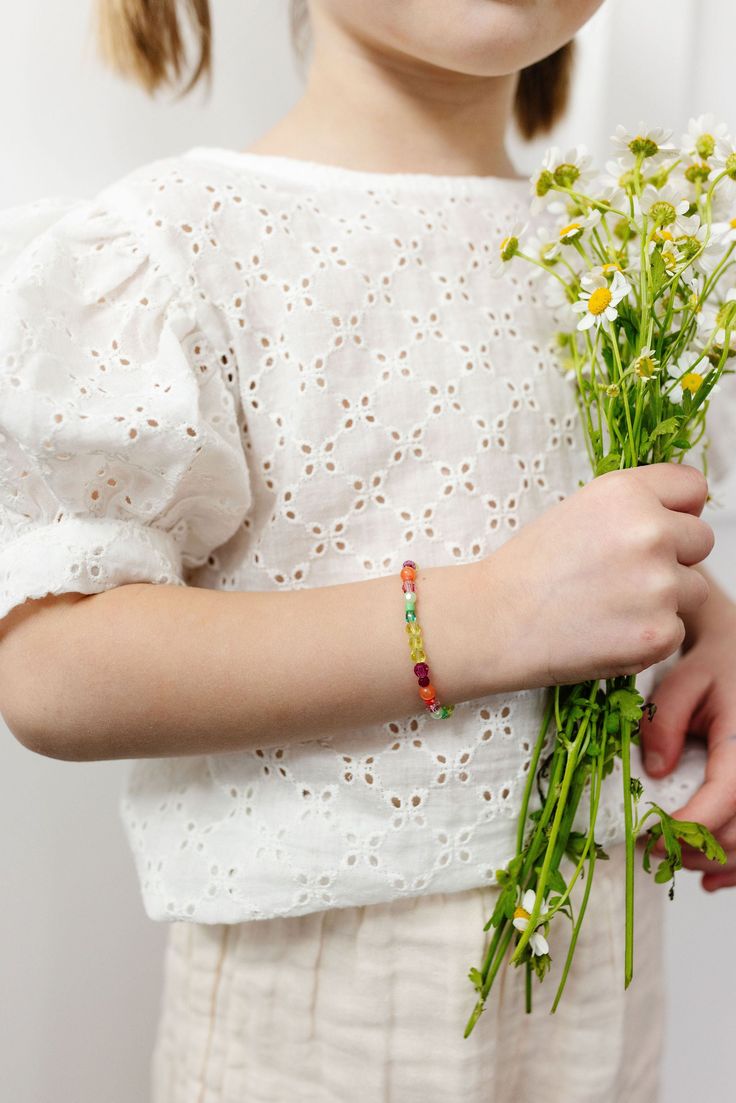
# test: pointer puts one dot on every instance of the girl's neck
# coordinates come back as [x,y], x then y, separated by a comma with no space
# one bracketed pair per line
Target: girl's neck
[365,109]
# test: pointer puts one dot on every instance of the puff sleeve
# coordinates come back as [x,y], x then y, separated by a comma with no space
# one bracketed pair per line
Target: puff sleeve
[121,458]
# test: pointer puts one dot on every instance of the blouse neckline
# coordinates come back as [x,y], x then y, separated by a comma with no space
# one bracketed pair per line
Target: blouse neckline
[323,174]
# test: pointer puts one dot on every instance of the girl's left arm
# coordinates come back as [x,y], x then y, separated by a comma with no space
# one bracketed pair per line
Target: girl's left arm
[698,697]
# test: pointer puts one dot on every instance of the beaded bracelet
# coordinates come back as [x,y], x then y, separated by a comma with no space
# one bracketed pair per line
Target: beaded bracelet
[416,647]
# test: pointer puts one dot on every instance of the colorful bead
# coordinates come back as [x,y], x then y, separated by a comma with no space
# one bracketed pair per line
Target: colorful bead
[427,691]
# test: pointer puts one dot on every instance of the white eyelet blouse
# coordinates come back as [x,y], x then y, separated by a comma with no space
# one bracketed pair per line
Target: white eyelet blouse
[251,372]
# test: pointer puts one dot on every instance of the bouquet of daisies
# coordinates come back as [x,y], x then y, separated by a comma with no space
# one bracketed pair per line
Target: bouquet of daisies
[641,266]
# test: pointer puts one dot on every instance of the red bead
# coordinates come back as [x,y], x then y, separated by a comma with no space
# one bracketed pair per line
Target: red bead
[427,692]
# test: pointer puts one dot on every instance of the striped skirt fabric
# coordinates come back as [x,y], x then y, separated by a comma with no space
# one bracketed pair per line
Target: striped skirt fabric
[369,1004]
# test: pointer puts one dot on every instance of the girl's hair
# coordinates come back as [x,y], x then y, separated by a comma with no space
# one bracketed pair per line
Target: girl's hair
[144,39]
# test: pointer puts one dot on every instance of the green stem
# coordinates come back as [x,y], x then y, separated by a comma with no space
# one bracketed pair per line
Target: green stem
[566,781]
[629,843]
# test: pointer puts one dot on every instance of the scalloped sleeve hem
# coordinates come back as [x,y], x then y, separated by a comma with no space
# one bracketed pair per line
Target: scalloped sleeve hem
[85,555]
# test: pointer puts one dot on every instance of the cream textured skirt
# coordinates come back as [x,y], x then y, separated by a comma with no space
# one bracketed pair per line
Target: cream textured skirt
[369,1004]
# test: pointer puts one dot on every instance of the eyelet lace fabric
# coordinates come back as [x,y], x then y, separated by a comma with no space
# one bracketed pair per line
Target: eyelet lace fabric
[244,372]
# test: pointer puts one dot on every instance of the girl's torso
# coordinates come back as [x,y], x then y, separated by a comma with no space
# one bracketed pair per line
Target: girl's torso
[397,401]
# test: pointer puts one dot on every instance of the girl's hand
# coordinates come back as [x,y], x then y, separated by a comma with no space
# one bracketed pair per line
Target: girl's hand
[597,585]
[698,697]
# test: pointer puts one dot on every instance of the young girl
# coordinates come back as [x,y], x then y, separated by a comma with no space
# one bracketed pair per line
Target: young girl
[238,390]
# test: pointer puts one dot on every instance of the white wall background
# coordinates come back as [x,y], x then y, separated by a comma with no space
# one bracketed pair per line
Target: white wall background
[80,964]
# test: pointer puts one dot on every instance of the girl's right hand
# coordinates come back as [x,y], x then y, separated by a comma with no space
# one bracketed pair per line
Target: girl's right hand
[597,585]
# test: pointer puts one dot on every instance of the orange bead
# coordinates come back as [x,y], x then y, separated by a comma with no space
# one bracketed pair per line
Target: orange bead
[408,573]
[427,692]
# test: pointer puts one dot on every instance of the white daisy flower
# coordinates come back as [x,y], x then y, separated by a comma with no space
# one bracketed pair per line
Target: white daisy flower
[687,379]
[653,144]
[573,231]
[724,233]
[522,915]
[667,209]
[725,156]
[508,247]
[706,257]
[599,299]
[646,364]
[702,136]
[724,314]
[608,269]
[558,169]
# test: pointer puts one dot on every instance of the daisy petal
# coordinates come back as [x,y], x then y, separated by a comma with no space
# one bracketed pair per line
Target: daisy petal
[528,899]
[539,943]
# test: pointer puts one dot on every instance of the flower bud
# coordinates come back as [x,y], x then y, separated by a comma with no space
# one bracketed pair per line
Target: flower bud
[545,182]
[705,145]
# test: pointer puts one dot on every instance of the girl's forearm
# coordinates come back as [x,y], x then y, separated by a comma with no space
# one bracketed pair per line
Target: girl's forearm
[153,670]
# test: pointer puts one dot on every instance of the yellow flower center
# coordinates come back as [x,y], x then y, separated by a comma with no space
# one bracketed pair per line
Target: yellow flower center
[662,235]
[599,300]
[691,381]
[573,228]
[521,913]
[612,268]
[644,367]
[732,223]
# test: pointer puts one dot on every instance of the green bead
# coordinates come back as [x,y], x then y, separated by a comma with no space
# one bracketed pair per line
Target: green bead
[410,615]
[410,597]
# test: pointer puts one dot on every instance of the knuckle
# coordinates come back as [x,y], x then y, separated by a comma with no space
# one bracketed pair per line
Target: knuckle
[649,535]
[662,637]
[697,482]
[709,537]
[702,588]
[663,588]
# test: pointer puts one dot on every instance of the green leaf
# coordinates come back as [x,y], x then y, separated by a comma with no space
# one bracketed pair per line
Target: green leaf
[669,426]
[556,881]
[628,702]
[611,462]
[665,872]
[476,979]
[659,271]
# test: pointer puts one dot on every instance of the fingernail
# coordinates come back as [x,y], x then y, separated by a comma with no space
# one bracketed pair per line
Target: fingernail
[654,762]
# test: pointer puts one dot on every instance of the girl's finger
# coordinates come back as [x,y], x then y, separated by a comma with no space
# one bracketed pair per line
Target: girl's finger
[677,697]
[727,835]
[694,859]
[714,804]
[713,881]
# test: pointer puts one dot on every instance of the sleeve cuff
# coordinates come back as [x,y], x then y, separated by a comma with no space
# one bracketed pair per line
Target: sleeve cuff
[85,555]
